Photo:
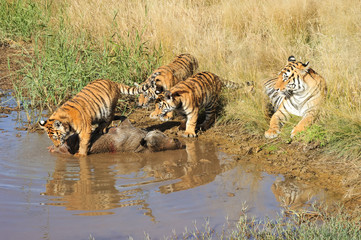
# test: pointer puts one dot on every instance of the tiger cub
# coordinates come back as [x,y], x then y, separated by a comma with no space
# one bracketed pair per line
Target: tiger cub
[297,90]
[93,105]
[165,77]
[202,90]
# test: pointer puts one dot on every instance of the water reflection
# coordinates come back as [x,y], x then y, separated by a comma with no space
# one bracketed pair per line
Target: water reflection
[292,194]
[201,167]
[107,181]
[82,185]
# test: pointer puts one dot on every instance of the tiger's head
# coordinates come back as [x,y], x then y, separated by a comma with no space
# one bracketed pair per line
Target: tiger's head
[168,102]
[290,79]
[57,131]
[156,84]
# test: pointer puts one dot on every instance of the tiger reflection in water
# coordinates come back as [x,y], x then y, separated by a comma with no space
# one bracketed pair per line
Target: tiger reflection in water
[291,193]
[200,167]
[92,185]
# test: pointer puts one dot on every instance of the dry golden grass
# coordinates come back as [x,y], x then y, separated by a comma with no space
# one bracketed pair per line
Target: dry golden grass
[243,40]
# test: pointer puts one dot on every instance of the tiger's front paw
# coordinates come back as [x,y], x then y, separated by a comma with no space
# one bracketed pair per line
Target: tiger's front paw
[271,133]
[189,134]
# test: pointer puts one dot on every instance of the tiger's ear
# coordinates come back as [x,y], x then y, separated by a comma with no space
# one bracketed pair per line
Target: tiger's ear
[159,89]
[42,124]
[306,67]
[291,58]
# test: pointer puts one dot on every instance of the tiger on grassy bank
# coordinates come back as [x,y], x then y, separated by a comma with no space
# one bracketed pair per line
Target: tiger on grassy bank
[297,90]
[200,91]
[165,77]
[93,106]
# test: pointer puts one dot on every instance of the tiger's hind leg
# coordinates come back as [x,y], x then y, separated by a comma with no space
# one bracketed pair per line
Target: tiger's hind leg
[210,111]
[276,122]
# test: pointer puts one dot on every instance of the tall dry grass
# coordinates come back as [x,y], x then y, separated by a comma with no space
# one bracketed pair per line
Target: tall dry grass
[241,40]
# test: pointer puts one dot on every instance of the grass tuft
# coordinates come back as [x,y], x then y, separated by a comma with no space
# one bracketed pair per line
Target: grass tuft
[20,19]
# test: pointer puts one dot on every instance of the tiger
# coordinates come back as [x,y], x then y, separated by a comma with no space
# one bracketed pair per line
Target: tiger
[202,90]
[91,110]
[297,90]
[165,77]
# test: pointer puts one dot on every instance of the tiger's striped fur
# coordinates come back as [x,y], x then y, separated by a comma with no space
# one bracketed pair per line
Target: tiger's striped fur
[297,90]
[127,90]
[165,77]
[93,106]
[202,90]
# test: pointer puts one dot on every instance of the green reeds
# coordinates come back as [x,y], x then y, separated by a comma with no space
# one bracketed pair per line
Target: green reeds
[62,65]
[20,19]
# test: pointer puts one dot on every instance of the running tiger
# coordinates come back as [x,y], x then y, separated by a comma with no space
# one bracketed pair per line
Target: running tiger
[93,106]
[297,90]
[202,90]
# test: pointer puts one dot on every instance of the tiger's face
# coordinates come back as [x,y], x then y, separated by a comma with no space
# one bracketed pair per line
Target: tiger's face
[167,102]
[156,84]
[56,130]
[289,80]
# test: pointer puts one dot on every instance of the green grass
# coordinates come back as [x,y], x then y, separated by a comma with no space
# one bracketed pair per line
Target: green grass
[293,227]
[65,65]
[20,19]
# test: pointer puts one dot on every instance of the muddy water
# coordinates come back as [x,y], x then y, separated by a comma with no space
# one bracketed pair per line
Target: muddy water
[113,196]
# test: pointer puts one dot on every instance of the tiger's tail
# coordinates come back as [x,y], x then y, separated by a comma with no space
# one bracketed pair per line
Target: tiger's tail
[127,90]
[229,84]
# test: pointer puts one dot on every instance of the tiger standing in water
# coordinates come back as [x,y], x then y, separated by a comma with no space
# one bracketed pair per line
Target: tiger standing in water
[200,91]
[93,106]
[297,90]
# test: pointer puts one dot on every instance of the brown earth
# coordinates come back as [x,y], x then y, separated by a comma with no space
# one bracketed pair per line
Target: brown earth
[306,163]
